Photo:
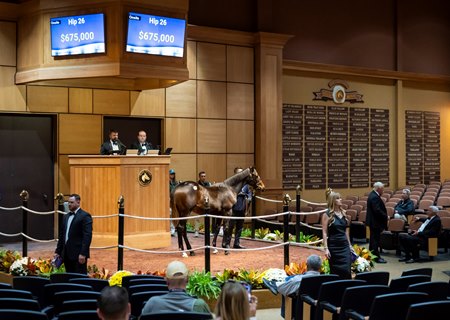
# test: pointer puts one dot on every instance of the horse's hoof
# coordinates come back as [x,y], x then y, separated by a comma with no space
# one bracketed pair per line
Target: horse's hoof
[184,255]
[227,252]
[215,251]
[192,253]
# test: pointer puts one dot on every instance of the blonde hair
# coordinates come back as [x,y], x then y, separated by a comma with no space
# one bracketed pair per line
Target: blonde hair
[331,202]
[232,303]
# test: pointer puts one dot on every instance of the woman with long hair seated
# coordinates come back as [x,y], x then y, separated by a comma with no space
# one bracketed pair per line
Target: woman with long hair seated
[235,303]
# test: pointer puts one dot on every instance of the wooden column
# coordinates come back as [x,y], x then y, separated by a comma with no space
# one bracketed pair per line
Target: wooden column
[268,108]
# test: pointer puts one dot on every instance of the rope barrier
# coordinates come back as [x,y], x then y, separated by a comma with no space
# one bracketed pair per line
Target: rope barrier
[39,212]
[307,213]
[251,218]
[105,247]
[250,249]
[37,240]
[163,252]
[314,203]
[107,216]
[10,234]
[311,227]
[268,200]
[10,209]
[169,219]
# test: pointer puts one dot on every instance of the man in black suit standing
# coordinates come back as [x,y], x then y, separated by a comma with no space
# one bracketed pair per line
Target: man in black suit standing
[376,219]
[430,228]
[75,237]
[142,144]
[113,146]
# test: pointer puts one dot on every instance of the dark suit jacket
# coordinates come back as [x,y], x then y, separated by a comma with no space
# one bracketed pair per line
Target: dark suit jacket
[376,212]
[106,148]
[405,207]
[432,229]
[137,145]
[80,236]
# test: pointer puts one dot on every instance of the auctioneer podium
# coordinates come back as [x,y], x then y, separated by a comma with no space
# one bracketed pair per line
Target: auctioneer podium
[144,183]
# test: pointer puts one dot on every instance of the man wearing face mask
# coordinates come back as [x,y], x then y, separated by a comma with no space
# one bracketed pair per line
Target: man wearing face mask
[113,146]
[142,144]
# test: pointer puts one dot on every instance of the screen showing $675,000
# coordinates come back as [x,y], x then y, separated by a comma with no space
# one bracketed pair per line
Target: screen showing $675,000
[83,34]
[155,35]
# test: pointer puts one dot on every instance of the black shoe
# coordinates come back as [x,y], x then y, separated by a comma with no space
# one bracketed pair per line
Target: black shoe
[226,251]
[380,260]
[238,246]
[270,284]
[410,261]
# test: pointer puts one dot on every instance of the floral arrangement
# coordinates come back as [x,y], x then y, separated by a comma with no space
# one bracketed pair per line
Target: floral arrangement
[252,277]
[364,259]
[95,272]
[295,268]
[278,275]
[7,257]
[116,278]
[19,267]
[12,262]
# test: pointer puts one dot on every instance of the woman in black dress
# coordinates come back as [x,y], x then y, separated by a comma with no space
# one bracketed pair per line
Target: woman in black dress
[336,240]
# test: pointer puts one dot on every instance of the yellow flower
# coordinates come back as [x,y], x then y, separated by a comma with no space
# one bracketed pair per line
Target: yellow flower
[116,278]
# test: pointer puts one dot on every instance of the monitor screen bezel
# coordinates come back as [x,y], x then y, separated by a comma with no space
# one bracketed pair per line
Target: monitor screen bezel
[162,16]
[79,54]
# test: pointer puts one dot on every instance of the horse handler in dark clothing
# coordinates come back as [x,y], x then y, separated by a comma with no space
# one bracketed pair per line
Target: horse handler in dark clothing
[239,210]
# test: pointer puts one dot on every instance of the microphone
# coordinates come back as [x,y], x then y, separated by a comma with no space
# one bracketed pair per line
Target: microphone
[122,147]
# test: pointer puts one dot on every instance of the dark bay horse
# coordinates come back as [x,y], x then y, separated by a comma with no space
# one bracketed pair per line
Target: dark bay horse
[189,197]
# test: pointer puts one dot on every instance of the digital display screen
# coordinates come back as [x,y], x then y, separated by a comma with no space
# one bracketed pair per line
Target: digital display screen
[155,35]
[84,34]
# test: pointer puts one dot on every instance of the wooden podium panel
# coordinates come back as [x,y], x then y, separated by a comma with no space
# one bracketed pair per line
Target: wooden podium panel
[101,180]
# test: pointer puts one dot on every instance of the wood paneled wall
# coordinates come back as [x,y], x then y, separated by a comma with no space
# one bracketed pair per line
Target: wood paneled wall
[208,120]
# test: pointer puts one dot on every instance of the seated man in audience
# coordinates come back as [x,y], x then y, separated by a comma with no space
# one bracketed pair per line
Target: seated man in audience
[292,283]
[404,206]
[412,241]
[113,304]
[289,288]
[177,299]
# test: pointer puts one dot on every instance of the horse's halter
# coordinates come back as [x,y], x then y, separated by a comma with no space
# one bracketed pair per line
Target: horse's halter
[255,180]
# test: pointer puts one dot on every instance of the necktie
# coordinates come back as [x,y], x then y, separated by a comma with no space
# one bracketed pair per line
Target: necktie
[71,213]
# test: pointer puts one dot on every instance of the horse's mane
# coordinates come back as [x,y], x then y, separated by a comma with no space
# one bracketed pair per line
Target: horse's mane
[231,181]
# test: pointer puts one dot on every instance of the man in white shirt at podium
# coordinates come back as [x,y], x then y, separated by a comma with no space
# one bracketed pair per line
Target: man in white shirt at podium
[142,145]
[113,146]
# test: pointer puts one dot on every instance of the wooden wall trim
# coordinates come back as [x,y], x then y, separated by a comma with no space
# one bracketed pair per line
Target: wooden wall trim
[9,11]
[291,67]
[223,36]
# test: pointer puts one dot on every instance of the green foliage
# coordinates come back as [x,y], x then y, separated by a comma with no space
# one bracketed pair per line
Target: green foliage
[246,232]
[305,238]
[189,227]
[261,233]
[325,267]
[252,277]
[201,284]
